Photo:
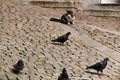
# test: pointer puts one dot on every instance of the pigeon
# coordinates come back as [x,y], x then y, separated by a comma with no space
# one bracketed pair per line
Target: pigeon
[62,38]
[99,66]
[64,75]
[19,65]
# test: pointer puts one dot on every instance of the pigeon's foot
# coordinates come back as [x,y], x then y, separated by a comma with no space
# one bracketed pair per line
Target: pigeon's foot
[101,74]
[62,44]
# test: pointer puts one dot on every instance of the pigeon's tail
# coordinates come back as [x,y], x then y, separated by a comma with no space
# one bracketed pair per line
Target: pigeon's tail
[53,40]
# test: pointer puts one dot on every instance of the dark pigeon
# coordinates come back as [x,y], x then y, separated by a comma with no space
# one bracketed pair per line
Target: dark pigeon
[62,38]
[19,65]
[99,66]
[64,75]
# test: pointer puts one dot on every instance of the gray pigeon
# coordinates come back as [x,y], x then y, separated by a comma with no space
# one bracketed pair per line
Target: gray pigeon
[64,75]
[19,65]
[62,38]
[99,66]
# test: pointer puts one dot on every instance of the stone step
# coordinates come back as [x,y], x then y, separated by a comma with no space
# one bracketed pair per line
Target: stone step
[100,13]
[53,0]
[57,4]
[102,49]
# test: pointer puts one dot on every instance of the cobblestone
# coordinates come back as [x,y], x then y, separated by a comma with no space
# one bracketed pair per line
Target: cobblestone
[26,33]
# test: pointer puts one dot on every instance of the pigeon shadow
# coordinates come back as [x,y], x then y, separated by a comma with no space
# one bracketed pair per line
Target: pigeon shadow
[15,71]
[57,44]
[92,72]
[95,73]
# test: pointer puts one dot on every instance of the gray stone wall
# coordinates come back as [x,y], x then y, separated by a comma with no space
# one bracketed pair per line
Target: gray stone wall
[56,3]
[80,4]
[96,5]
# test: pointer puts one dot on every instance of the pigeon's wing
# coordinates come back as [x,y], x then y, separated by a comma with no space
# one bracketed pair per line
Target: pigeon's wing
[99,65]
[96,66]
[60,38]
[18,67]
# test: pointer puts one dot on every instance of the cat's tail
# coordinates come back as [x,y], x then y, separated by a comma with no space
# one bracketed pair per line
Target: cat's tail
[55,19]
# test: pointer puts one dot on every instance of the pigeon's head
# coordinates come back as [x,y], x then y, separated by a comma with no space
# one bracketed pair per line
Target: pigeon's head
[68,33]
[106,59]
[64,70]
[20,61]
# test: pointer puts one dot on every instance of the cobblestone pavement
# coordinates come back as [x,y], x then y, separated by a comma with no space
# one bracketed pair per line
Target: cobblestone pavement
[26,33]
